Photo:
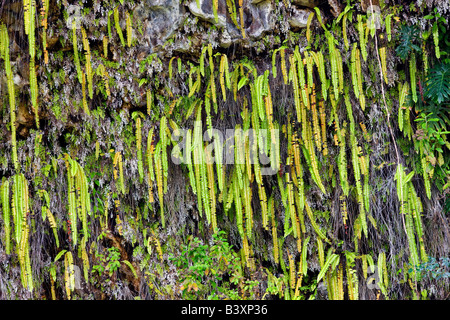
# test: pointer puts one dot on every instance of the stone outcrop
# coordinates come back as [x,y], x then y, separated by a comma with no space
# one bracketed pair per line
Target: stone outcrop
[160,19]
[258,18]
[299,17]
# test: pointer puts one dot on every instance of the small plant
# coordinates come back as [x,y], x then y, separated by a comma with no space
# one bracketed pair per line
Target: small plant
[438,84]
[433,269]
[408,36]
[211,271]
[113,260]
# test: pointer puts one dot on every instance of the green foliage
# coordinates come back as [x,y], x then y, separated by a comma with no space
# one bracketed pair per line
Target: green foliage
[433,269]
[203,269]
[438,84]
[112,259]
[408,37]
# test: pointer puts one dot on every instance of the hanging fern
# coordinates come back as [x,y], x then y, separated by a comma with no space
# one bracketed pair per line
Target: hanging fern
[89,72]
[362,42]
[4,198]
[69,274]
[4,50]
[412,73]
[129,29]
[117,25]
[308,27]
[75,51]
[388,26]
[382,52]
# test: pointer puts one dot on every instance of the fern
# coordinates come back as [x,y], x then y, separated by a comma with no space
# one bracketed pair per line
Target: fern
[83,91]
[159,181]
[321,65]
[412,73]
[85,258]
[301,77]
[224,76]
[69,274]
[309,69]
[129,29]
[408,37]
[198,156]
[129,265]
[232,11]
[89,72]
[291,206]
[383,63]
[215,9]
[331,262]
[24,258]
[316,228]
[4,198]
[388,26]
[417,210]
[238,206]
[75,51]
[44,16]
[71,171]
[362,42]
[170,67]
[315,122]
[342,158]
[283,65]
[308,27]
[105,47]
[344,32]
[53,225]
[304,253]
[271,213]
[241,17]
[334,64]
[139,148]
[354,70]
[11,92]
[295,85]
[117,25]
[435,32]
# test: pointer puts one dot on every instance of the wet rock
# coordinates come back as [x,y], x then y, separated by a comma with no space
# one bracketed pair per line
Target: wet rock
[306,3]
[262,19]
[24,116]
[258,18]
[299,17]
[160,20]
[336,7]
[205,11]
[225,39]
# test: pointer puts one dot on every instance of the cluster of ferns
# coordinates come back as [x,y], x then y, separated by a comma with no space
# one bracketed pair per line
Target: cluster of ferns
[317,104]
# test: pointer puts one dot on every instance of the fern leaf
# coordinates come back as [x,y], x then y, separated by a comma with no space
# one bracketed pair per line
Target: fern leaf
[117,25]
[412,73]
[4,197]
[131,268]
[331,260]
